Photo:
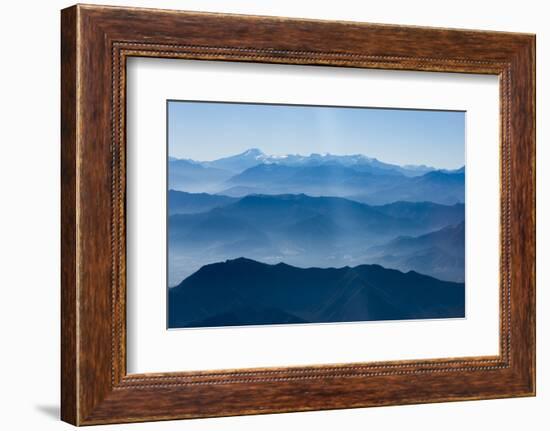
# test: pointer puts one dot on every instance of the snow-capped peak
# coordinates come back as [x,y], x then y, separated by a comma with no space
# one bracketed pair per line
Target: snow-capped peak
[253,152]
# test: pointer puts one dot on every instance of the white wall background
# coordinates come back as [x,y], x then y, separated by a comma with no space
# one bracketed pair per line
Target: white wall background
[29,217]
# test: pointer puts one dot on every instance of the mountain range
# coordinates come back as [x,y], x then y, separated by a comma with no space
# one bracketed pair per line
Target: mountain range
[254,156]
[440,254]
[326,238]
[298,229]
[359,177]
[193,177]
[246,292]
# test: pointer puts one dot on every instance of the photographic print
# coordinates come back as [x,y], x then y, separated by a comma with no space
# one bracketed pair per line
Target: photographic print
[297,214]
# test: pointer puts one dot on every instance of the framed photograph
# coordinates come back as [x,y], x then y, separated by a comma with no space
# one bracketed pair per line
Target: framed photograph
[263,214]
[282,234]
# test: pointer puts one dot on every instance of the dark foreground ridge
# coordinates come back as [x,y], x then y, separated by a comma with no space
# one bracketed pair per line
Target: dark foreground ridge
[246,292]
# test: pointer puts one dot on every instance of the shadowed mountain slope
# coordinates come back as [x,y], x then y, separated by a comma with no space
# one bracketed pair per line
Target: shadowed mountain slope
[247,292]
[440,253]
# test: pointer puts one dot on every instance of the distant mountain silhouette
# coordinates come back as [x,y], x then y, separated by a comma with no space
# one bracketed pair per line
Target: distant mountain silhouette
[430,215]
[440,254]
[436,186]
[189,203]
[187,175]
[271,211]
[330,179]
[247,292]
[285,222]
[279,213]
[376,187]
[238,162]
[320,209]
[359,177]
[298,229]
[461,170]
[254,156]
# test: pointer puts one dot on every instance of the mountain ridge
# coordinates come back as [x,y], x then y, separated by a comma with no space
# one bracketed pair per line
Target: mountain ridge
[242,291]
[440,253]
[357,176]
[253,156]
[298,229]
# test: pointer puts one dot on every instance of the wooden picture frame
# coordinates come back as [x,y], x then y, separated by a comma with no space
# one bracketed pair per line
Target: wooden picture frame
[95,43]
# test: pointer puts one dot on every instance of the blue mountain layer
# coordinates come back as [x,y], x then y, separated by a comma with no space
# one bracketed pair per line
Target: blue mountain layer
[243,292]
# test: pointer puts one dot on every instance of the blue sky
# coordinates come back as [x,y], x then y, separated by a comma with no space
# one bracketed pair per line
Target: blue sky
[207,131]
